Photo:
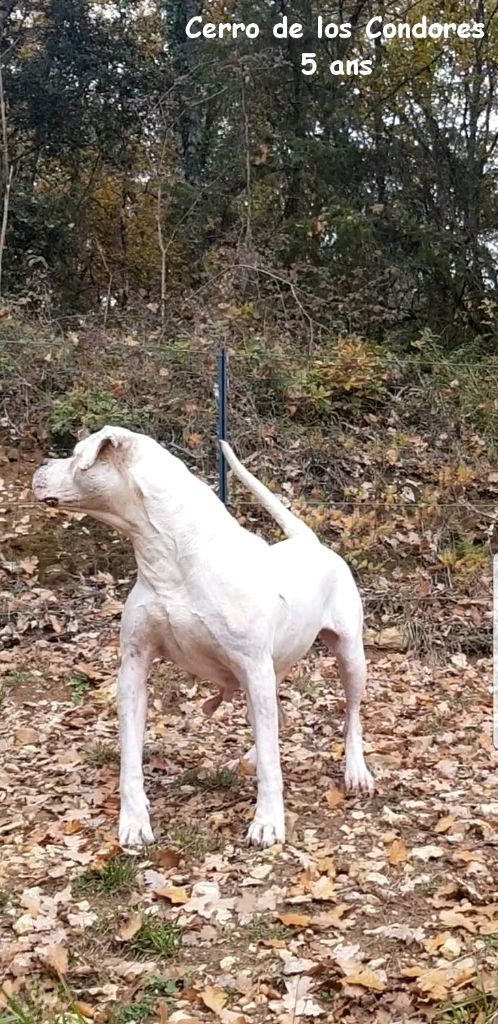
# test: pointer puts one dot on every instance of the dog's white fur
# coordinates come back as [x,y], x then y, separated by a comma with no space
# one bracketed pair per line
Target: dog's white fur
[215,599]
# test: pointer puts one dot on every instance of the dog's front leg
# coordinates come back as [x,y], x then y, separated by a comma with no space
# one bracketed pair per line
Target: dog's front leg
[268,826]
[134,824]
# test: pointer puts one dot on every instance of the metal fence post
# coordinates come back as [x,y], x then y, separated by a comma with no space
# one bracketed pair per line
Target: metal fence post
[221,398]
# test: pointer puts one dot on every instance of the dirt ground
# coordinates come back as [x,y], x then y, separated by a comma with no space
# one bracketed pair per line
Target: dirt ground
[382,909]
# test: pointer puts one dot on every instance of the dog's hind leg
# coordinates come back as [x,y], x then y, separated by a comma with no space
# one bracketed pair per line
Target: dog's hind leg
[348,649]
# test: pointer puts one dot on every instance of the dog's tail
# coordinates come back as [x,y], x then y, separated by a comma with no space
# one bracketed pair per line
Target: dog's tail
[289,523]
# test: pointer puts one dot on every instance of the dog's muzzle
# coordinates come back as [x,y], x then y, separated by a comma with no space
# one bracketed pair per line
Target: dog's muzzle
[52,502]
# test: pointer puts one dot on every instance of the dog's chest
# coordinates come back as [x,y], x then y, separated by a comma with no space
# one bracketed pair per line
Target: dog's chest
[185,638]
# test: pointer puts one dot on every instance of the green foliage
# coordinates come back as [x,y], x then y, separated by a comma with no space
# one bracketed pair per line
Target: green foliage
[78,686]
[102,754]
[210,781]
[476,1008]
[157,937]
[80,408]
[143,1006]
[194,840]
[351,376]
[116,875]
[127,138]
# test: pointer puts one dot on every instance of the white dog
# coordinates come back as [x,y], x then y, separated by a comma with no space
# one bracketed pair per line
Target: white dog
[215,599]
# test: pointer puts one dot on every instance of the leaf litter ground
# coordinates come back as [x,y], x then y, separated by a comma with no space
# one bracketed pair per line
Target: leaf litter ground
[383,909]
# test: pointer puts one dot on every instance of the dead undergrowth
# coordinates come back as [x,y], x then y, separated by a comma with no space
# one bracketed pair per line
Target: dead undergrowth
[382,909]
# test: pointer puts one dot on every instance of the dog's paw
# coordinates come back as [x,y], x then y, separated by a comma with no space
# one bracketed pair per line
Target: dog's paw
[357,777]
[134,829]
[266,832]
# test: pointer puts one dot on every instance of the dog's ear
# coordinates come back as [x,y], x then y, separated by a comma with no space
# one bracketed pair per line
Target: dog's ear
[93,446]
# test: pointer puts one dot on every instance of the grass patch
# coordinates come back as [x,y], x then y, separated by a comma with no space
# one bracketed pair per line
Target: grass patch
[78,686]
[210,781]
[17,679]
[32,1011]
[261,928]
[156,937]
[101,754]
[194,841]
[17,1013]
[476,1008]
[118,875]
[143,1006]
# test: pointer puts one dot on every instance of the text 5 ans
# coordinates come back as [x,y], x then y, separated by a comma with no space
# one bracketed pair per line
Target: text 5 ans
[309,66]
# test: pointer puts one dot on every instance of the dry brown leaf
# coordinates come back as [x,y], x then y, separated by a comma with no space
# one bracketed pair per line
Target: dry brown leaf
[177,1017]
[334,797]
[467,856]
[26,737]
[367,979]
[84,1010]
[112,606]
[322,889]
[89,671]
[397,853]
[294,920]
[29,564]
[452,919]
[71,827]
[57,957]
[131,926]
[174,893]
[169,858]
[161,1012]
[244,767]
[489,927]
[436,982]
[330,918]
[436,941]
[214,998]
[444,824]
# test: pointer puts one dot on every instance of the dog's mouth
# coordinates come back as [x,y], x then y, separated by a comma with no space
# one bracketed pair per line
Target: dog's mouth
[51,502]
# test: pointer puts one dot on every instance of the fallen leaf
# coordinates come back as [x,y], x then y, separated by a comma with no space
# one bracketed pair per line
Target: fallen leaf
[334,797]
[426,853]
[214,998]
[206,900]
[298,965]
[397,853]
[294,920]
[175,894]
[84,1010]
[366,979]
[169,858]
[436,982]
[444,824]
[398,931]
[322,888]
[129,929]
[452,919]
[26,737]
[489,928]
[57,957]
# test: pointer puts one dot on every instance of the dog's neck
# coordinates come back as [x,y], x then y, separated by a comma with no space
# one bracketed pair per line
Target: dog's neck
[177,517]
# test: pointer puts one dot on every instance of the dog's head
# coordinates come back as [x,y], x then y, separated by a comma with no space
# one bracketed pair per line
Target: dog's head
[95,479]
